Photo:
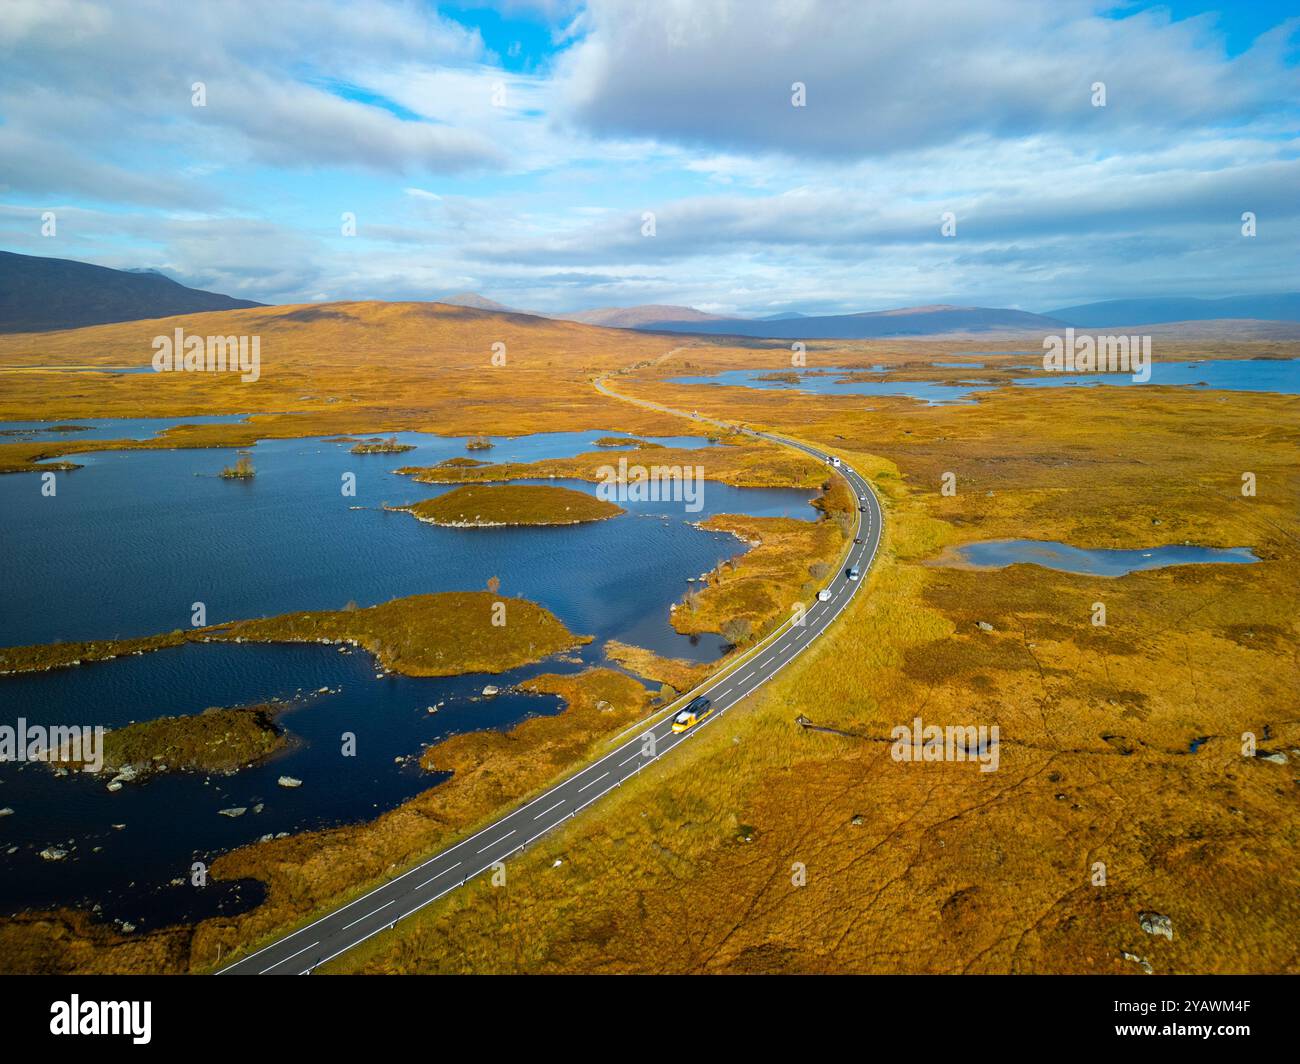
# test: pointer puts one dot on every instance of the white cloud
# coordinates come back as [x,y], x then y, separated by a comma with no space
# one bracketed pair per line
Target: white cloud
[895,75]
[680,108]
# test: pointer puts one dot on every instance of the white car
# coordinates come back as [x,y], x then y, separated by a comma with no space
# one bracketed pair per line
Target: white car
[823,595]
[854,572]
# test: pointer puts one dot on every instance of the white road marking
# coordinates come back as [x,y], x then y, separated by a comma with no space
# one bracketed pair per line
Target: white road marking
[442,873]
[491,844]
[593,782]
[288,958]
[366,917]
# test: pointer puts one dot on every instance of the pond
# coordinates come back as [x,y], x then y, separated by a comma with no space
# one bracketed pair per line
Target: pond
[999,553]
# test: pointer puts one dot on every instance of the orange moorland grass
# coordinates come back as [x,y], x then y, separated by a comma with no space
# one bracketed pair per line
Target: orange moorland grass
[764,846]
[442,634]
[679,674]
[331,369]
[788,562]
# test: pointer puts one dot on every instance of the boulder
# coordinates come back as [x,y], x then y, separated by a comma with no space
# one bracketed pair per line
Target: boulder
[1156,924]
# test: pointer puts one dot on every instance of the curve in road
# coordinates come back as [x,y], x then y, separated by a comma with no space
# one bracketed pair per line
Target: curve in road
[325,938]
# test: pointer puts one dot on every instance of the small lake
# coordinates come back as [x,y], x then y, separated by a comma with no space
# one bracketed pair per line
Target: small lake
[134,538]
[831,382]
[105,428]
[999,553]
[1280,376]
[1233,375]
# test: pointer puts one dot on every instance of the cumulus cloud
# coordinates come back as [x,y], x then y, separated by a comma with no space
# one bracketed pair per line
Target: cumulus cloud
[894,75]
[114,83]
[532,186]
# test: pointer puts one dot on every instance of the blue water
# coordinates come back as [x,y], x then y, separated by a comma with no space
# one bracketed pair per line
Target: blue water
[165,531]
[1240,375]
[999,553]
[829,383]
[172,820]
[958,365]
[1281,376]
[107,428]
[129,542]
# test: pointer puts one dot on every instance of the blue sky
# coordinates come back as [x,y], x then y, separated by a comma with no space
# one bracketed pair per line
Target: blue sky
[516,148]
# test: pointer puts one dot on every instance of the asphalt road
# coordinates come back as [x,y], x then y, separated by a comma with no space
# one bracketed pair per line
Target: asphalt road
[380,909]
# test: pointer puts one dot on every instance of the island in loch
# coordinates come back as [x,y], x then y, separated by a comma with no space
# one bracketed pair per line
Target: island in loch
[494,505]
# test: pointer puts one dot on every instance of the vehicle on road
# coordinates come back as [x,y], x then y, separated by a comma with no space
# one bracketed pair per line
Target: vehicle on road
[824,595]
[835,462]
[857,540]
[854,572]
[694,713]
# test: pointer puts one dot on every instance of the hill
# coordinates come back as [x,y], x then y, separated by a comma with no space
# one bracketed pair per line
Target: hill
[1120,312]
[41,294]
[477,302]
[646,316]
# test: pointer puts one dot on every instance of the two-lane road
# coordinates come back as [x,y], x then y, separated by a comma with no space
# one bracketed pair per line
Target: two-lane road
[347,926]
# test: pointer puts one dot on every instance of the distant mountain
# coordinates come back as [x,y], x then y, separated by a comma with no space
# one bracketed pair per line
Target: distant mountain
[1117,312]
[40,294]
[784,316]
[905,321]
[477,302]
[648,316]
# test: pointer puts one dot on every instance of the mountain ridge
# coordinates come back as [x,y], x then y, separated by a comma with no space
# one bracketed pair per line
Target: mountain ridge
[45,294]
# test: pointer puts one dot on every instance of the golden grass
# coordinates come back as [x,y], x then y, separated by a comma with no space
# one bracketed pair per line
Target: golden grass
[677,673]
[442,634]
[338,369]
[789,561]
